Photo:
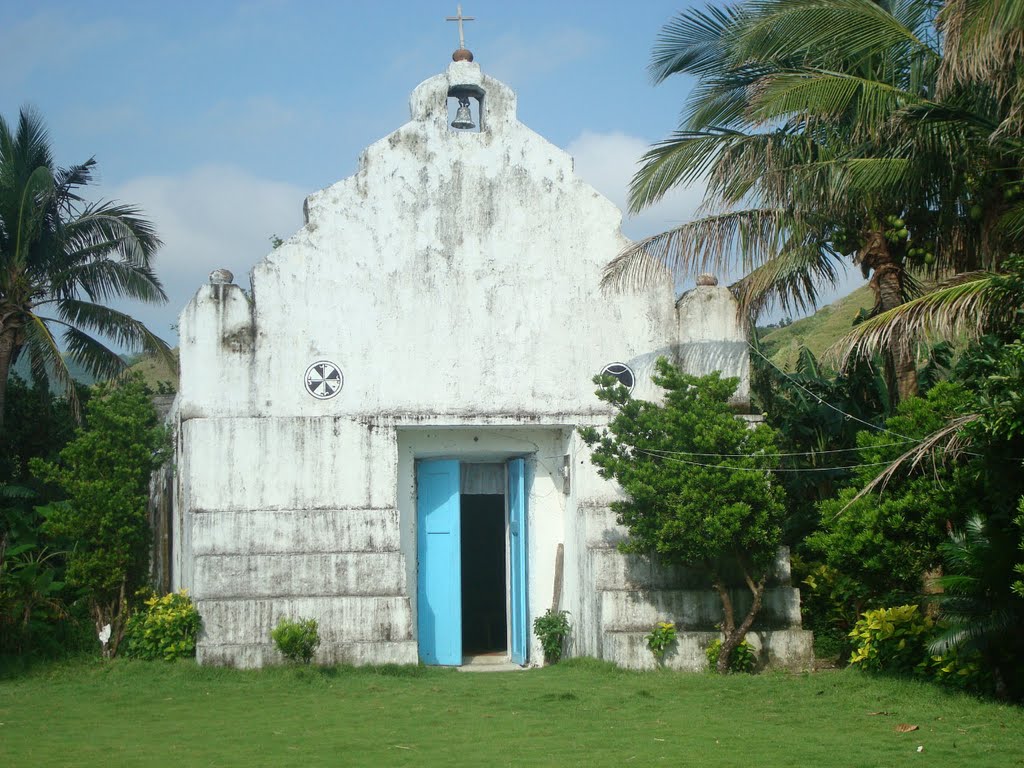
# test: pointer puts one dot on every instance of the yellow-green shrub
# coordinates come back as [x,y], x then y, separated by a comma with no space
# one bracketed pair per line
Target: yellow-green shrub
[891,639]
[166,628]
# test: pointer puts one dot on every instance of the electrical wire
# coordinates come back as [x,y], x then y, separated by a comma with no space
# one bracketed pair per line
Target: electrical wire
[825,402]
[762,469]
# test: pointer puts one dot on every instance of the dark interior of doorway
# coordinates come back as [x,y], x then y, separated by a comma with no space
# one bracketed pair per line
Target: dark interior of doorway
[484,626]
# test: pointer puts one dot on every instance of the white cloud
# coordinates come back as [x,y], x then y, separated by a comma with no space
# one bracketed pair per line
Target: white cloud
[209,217]
[607,161]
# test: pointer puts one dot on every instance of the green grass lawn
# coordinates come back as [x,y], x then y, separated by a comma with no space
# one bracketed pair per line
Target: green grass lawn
[577,713]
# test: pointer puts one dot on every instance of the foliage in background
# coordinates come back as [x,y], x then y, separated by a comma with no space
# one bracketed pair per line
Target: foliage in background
[296,640]
[104,473]
[166,628]
[552,629]
[830,604]
[698,488]
[817,413]
[888,541]
[742,659]
[39,611]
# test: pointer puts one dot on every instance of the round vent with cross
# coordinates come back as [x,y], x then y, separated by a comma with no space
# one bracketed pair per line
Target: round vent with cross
[324,379]
[622,372]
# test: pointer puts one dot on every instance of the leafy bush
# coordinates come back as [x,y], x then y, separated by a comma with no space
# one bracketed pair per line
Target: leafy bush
[958,668]
[891,639]
[884,543]
[723,515]
[104,472]
[742,659]
[661,637]
[166,628]
[551,629]
[830,604]
[296,640]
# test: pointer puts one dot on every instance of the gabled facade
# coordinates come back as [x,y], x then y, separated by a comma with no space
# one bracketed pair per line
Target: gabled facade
[383,435]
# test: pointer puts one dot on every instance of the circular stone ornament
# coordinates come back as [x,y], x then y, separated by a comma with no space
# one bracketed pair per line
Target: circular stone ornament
[622,372]
[324,379]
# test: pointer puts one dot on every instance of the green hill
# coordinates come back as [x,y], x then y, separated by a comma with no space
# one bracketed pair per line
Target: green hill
[154,370]
[817,332]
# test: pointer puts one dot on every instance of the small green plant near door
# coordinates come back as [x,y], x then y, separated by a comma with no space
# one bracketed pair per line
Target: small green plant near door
[742,659]
[166,628]
[552,628]
[661,637]
[296,640]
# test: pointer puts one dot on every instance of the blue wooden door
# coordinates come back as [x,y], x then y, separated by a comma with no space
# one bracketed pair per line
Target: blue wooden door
[439,609]
[519,630]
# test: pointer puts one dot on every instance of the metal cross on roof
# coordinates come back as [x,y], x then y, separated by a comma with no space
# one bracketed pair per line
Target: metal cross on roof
[460,18]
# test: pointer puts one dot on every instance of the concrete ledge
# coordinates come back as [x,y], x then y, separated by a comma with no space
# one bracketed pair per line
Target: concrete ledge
[295,575]
[615,570]
[252,656]
[340,619]
[779,649]
[694,609]
[629,650]
[307,530]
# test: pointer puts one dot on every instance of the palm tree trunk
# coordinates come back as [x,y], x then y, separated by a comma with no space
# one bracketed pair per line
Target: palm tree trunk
[7,348]
[887,283]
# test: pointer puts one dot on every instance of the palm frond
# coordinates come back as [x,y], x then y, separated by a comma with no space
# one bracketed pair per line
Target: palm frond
[123,329]
[966,306]
[102,279]
[830,95]
[984,41]
[46,360]
[105,228]
[943,445]
[677,161]
[860,28]
[97,358]
[792,280]
[695,42]
[710,244]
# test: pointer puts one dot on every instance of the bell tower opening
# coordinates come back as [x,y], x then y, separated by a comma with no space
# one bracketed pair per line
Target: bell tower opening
[466,109]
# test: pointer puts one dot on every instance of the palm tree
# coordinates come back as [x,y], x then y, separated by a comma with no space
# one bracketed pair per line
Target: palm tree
[61,259]
[982,613]
[816,151]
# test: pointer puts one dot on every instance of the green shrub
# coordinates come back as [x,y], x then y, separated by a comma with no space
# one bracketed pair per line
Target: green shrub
[957,668]
[891,639]
[296,640]
[661,637]
[742,659]
[552,628]
[166,628]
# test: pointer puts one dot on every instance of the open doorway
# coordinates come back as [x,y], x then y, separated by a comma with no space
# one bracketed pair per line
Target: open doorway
[471,560]
[484,624]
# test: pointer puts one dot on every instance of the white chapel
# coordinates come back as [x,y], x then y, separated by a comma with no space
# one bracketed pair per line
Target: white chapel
[382,435]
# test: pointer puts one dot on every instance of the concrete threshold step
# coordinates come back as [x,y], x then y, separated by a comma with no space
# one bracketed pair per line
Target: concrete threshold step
[488,662]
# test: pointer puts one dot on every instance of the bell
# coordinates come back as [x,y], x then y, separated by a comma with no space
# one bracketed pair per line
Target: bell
[463,117]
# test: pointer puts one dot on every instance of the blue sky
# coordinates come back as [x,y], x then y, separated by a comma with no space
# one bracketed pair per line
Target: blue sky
[219,117]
